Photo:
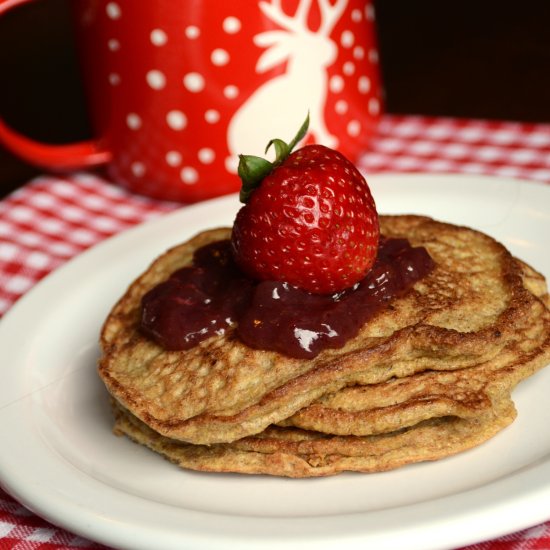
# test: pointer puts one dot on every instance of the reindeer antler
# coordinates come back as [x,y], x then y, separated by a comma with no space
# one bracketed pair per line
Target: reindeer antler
[330,15]
[274,10]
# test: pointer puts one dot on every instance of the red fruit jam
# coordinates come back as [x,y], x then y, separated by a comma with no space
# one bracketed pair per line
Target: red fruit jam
[213,295]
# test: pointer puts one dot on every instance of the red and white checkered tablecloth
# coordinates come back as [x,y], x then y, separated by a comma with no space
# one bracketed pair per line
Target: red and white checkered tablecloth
[52,219]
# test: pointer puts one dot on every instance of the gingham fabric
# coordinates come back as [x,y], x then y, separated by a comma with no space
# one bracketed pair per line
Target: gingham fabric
[52,219]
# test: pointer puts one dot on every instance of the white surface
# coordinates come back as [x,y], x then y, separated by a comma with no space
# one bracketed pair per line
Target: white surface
[59,457]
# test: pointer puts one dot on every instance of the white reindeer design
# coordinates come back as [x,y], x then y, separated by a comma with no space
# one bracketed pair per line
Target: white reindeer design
[277,107]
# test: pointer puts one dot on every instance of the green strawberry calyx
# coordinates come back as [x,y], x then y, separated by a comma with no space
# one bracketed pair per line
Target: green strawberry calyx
[252,169]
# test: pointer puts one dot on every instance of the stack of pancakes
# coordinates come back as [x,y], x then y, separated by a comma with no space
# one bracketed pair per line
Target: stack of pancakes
[429,376]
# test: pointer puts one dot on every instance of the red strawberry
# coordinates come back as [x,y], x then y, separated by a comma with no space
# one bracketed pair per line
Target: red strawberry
[309,219]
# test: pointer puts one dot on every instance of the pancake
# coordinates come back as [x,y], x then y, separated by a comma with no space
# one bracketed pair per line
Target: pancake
[402,402]
[396,404]
[295,453]
[426,416]
[469,310]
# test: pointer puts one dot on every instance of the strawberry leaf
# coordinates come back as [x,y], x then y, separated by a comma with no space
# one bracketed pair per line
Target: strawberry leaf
[282,150]
[252,170]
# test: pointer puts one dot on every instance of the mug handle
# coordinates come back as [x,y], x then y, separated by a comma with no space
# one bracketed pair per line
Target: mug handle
[57,157]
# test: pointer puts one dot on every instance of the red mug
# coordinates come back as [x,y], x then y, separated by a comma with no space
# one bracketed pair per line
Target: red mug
[178,89]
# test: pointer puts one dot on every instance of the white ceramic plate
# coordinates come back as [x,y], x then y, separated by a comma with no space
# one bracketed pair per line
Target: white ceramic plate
[59,458]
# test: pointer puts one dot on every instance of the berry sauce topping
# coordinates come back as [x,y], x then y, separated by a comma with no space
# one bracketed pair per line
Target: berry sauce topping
[214,295]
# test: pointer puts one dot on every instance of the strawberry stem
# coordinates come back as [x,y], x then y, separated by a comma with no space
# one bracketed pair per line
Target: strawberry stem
[252,169]
[300,135]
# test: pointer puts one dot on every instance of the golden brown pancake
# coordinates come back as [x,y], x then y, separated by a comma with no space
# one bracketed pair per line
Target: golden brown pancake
[292,452]
[401,402]
[472,309]
[426,416]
